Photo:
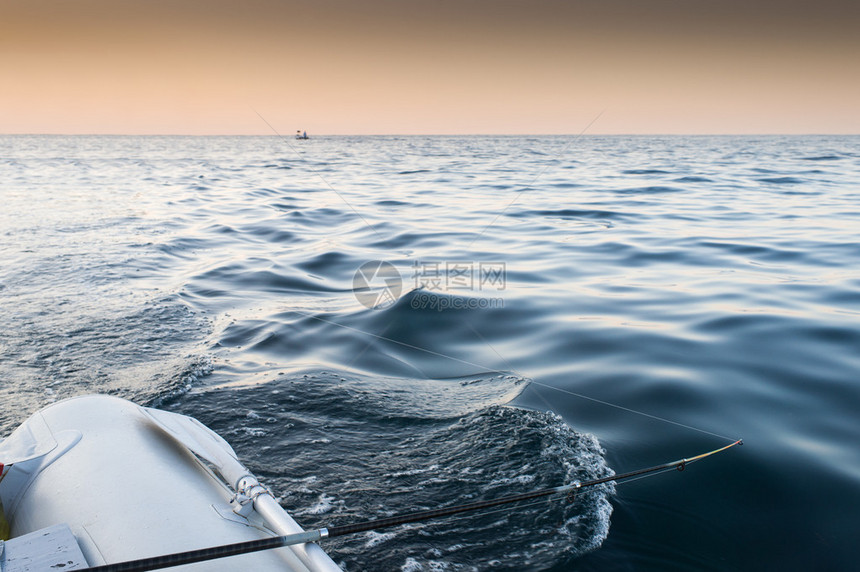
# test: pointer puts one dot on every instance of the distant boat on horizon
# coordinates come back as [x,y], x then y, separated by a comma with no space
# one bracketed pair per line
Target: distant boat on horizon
[301,134]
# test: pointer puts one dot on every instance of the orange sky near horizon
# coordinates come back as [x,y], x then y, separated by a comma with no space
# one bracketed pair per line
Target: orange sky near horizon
[409,66]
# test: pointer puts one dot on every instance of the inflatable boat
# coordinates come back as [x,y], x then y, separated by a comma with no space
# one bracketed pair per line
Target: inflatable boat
[98,480]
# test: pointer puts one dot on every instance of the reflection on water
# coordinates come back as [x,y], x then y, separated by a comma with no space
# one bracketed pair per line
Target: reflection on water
[710,281]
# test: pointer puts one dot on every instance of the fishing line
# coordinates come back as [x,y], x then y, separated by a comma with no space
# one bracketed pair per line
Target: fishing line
[573,393]
[538,383]
[640,477]
[622,408]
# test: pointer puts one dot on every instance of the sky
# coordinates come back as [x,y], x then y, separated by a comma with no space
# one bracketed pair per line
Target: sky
[434,66]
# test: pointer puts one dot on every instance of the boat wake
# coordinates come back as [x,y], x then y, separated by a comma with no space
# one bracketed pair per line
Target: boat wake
[340,448]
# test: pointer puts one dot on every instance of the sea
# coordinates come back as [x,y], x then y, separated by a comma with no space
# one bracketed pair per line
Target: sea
[386,324]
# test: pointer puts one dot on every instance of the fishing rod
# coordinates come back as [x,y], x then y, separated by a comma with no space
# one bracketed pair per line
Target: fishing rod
[191,556]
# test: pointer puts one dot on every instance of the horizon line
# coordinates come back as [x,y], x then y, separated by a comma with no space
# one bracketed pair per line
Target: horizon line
[311,136]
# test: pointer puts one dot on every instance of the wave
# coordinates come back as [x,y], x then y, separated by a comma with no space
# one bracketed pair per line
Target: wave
[694,179]
[645,172]
[781,180]
[339,448]
[653,190]
[822,158]
[573,214]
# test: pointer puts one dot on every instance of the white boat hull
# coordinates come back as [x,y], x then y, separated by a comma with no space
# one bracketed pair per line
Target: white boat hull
[129,487]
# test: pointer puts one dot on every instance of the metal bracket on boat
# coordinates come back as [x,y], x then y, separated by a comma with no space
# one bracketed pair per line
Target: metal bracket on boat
[247,490]
[250,487]
[225,511]
[242,505]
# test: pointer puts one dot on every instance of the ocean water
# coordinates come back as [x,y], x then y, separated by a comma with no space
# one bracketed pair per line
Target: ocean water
[385,324]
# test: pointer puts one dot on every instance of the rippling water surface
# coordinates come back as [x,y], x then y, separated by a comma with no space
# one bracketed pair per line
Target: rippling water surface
[709,281]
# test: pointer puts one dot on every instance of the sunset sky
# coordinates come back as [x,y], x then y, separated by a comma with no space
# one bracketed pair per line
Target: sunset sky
[433,66]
